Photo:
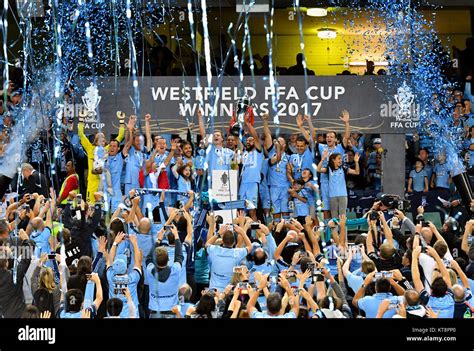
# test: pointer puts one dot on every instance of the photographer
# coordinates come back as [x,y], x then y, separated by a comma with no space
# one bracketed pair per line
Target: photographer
[119,279]
[12,300]
[164,280]
[370,304]
[83,220]
[222,259]
[274,301]
[440,297]
[387,257]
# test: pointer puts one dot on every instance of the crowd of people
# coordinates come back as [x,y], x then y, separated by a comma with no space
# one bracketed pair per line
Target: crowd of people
[134,234]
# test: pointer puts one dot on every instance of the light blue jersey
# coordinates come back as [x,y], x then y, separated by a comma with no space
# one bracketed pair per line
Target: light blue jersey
[301,162]
[370,304]
[119,282]
[337,181]
[418,180]
[41,241]
[251,166]
[115,166]
[219,158]
[222,261]
[442,175]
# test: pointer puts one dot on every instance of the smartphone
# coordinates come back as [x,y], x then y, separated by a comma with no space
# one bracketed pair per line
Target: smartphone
[255,225]
[388,274]
[27,208]
[296,292]
[168,227]
[88,276]
[79,198]
[237,269]
[378,275]
[393,305]
[51,256]
[243,287]
[290,274]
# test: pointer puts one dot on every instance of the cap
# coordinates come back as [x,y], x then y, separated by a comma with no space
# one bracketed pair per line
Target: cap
[120,264]
[377,141]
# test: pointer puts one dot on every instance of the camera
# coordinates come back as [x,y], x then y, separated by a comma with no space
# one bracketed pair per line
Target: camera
[373,215]
[290,274]
[394,202]
[237,269]
[318,275]
[255,225]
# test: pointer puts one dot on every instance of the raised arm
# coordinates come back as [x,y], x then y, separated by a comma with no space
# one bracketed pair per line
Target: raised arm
[243,233]
[86,144]
[149,142]
[304,132]
[262,283]
[442,268]
[415,270]
[466,235]
[386,229]
[281,246]
[324,156]
[202,128]
[347,128]
[311,129]
[266,132]
[253,132]
[98,290]
[137,253]
[190,201]
[370,237]
[129,142]
[189,228]
[121,133]
[356,161]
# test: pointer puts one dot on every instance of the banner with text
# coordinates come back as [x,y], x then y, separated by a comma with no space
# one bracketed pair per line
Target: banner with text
[376,104]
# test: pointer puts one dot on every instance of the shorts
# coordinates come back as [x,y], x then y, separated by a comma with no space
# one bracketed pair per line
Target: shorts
[249,191]
[279,198]
[324,196]
[264,195]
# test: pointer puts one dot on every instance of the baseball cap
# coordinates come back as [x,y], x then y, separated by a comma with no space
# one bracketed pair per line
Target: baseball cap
[120,264]
[377,141]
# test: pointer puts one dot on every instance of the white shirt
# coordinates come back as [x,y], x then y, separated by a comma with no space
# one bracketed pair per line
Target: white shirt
[429,264]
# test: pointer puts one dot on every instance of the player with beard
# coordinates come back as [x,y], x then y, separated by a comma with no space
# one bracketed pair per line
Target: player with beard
[252,160]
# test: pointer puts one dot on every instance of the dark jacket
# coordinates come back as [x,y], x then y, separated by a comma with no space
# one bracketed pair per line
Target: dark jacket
[82,230]
[12,299]
[36,183]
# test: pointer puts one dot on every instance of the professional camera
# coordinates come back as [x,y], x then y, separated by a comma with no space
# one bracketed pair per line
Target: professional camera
[394,202]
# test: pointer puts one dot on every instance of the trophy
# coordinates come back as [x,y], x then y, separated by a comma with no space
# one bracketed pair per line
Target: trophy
[91,99]
[243,106]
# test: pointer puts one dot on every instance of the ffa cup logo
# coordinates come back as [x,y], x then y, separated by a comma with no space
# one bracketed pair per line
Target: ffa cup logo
[405,111]
[404,100]
[91,99]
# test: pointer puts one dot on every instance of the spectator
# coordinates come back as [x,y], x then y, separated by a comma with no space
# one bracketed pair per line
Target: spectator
[299,69]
